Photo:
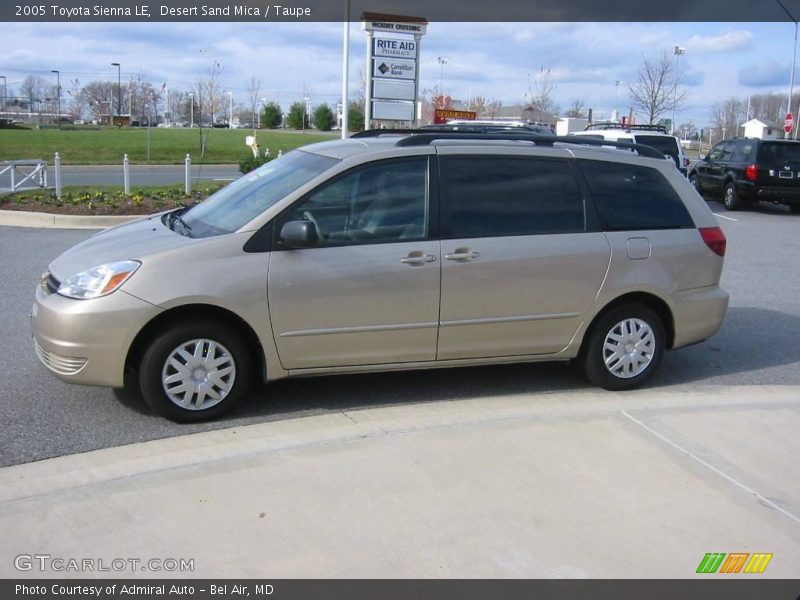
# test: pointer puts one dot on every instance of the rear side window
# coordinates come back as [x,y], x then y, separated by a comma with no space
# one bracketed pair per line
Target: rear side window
[779,152]
[744,151]
[487,196]
[630,197]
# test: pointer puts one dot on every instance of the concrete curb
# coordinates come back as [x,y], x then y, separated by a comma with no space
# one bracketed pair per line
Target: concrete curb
[24,218]
[21,483]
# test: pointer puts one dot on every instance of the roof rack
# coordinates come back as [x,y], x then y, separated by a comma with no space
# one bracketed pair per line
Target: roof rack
[609,125]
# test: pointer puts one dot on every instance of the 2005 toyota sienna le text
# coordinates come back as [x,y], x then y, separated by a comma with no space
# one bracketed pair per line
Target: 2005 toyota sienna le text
[392,252]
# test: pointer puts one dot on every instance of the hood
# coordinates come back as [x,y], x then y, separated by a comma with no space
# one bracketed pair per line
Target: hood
[133,241]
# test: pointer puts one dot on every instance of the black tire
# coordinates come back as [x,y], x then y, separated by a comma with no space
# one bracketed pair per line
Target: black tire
[731,199]
[695,182]
[795,208]
[593,353]
[161,347]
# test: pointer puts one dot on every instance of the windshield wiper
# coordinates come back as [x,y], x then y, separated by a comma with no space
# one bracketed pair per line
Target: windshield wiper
[176,215]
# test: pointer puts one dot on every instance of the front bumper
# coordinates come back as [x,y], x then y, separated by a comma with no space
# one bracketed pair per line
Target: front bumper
[87,341]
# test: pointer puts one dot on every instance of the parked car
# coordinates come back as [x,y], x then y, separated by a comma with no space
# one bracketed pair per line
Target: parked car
[435,249]
[743,171]
[655,136]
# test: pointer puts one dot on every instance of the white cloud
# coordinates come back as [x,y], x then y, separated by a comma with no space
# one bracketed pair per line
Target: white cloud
[730,41]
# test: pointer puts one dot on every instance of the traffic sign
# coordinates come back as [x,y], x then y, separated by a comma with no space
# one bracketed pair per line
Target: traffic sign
[788,123]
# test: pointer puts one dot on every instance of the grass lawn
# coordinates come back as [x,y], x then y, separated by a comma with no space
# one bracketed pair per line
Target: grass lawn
[106,200]
[167,146]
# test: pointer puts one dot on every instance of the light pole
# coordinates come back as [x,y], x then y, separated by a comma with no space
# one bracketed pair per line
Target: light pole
[442,60]
[119,90]
[617,83]
[58,96]
[794,60]
[678,52]
[230,110]
[306,99]
[191,113]
[5,93]
[345,68]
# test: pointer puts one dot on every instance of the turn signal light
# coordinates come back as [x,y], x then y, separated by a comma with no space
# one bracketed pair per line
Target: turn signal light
[714,239]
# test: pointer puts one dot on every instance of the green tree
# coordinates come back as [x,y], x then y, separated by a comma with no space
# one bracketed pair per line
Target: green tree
[324,119]
[355,116]
[272,116]
[296,118]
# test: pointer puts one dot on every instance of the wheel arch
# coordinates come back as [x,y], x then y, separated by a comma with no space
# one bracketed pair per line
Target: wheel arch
[194,311]
[656,304]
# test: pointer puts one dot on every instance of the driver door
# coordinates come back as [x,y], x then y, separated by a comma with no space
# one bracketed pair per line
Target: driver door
[368,291]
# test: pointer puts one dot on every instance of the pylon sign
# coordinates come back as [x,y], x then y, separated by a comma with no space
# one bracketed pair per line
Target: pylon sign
[393,50]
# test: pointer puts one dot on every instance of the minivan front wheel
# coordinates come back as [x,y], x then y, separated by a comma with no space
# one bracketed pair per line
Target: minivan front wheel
[624,347]
[195,371]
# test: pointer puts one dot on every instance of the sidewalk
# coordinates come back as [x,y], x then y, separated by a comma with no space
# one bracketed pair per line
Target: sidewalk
[585,484]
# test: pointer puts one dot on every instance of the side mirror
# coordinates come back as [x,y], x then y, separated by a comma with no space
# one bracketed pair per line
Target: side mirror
[299,234]
[702,156]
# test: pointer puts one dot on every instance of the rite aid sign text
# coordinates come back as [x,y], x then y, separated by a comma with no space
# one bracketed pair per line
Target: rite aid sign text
[393,48]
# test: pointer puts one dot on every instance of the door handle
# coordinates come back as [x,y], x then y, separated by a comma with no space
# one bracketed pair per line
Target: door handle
[462,254]
[417,258]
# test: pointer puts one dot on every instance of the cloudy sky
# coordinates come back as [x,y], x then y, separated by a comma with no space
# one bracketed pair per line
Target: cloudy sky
[490,59]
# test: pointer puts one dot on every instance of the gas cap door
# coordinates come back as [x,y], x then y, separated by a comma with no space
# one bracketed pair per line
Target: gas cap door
[638,248]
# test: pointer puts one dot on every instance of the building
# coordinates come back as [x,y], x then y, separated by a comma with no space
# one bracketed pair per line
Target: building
[762,129]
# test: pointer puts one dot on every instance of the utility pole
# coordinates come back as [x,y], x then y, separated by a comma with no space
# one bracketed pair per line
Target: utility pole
[346,68]
[5,93]
[617,83]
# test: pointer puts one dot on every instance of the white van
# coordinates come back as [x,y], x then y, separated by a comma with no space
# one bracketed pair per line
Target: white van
[655,136]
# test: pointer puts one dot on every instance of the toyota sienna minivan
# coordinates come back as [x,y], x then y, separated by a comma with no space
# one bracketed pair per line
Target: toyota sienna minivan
[387,252]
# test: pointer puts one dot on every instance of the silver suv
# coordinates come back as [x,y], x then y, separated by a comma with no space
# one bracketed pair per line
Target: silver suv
[392,252]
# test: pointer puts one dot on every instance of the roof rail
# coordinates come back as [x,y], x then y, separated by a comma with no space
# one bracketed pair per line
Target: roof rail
[424,138]
[610,125]
[371,133]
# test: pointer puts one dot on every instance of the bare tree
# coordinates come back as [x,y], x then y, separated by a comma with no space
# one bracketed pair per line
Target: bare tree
[34,89]
[656,90]
[254,97]
[729,115]
[493,109]
[479,105]
[688,130]
[540,97]
[577,110]
[209,90]
[98,95]
[769,106]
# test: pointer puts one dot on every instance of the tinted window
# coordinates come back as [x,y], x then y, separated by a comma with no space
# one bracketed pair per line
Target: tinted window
[634,197]
[386,201]
[780,152]
[665,144]
[501,196]
[716,152]
[744,151]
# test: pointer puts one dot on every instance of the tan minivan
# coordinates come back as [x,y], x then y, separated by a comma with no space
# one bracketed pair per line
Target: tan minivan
[392,252]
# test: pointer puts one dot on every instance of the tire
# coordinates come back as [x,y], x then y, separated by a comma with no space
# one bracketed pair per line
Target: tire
[215,377]
[731,199]
[695,182]
[618,376]
[795,208]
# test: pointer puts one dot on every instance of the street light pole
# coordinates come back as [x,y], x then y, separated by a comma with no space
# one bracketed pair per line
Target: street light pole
[678,52]
[230,110]
[119,90]
[794,60]
[5,93]
[58,96]
[191,118]
[346,68]
[617,82]
[443,60]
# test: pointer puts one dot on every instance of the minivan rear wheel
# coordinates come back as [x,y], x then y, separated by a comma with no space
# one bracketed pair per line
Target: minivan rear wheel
[195,371]
[624,347]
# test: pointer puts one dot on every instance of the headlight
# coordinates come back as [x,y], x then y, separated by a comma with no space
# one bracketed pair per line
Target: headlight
[98,281]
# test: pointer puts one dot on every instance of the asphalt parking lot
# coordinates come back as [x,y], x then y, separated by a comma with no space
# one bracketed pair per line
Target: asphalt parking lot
[42,417]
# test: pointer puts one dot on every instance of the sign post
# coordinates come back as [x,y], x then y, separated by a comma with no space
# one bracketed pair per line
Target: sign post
[392,66]
[788,123]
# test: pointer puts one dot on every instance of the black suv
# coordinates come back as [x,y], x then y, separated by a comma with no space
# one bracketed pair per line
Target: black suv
[748,170]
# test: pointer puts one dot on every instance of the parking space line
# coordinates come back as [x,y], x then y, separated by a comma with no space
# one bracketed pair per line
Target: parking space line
[724,217]
[688,453]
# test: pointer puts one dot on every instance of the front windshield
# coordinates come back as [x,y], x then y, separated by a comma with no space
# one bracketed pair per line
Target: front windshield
[247,197]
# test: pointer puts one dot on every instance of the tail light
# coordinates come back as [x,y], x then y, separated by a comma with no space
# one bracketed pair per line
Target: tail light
[714,239]
[751,172]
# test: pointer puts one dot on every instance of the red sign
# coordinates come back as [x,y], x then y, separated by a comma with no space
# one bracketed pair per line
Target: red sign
[788,124]
[443,115]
